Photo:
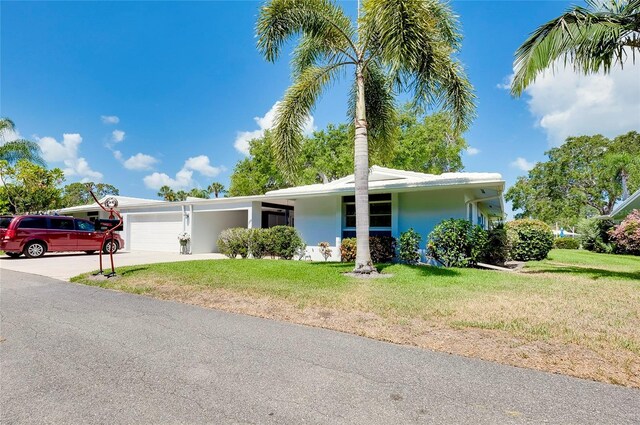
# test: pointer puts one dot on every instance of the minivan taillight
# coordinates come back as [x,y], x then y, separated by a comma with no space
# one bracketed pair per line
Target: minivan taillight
[10,234]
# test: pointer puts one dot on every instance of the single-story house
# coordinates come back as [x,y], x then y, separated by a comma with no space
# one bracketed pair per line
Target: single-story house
[323,212]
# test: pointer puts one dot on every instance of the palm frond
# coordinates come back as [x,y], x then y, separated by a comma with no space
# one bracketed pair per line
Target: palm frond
[318,20]
[294,109]
[19,149]
[587,39]
[6,125]
[382,120]
[415,41]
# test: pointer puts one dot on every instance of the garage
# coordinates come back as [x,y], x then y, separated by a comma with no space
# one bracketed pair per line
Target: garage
[207,225]
[154,232]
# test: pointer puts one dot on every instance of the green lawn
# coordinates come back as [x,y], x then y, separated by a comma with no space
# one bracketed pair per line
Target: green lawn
[576,312]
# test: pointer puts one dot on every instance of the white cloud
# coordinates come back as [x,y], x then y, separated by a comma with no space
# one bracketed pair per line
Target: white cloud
[506,82]
[66,152]
[139,161]
[117,155]
[565,103]
[109,119]
[117,136]
[184,177]
[471,151]
[265,123]
[9,136]
[522,164]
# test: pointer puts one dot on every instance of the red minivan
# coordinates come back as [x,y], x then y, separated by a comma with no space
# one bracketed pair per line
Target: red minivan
[33,235]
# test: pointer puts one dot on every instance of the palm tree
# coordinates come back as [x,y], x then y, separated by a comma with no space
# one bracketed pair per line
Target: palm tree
[181,195]
[592,38]
[217,189]
[18,149]
[199,193]
[167,193]
[396,45]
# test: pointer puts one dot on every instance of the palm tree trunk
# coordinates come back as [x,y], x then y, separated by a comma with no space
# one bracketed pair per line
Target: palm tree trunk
[361,162]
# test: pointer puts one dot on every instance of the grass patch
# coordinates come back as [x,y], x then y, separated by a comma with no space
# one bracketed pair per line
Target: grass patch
[576,312]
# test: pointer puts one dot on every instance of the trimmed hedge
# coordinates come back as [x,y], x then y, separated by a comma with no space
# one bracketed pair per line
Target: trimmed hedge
[566,243]
[594,235]
[278,241]
[286,242]
[383,249]
[233,242]
[497,249]
[529,239]
[457,243]
[627,234]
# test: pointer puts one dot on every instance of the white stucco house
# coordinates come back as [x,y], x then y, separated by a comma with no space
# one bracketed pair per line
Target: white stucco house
[324,212]
[625,207]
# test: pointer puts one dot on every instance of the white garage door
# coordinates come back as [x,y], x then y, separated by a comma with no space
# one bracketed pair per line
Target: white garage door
[155,232]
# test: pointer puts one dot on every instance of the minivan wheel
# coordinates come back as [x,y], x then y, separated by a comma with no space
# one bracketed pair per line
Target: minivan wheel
[35,249]
[13,254]
[109,246]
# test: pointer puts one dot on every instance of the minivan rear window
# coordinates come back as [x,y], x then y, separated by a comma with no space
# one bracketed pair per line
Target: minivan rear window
[4,222]
[33,223]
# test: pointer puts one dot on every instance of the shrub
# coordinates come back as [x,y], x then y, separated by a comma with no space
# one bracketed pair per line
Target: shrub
[234,242]
[566,243]
[627,234]
[497,250]
[529,239]
[260,243]
[594,235]
[348,250]
[457,243]
[383,248]
[410,246]
[286,242]
[325,250]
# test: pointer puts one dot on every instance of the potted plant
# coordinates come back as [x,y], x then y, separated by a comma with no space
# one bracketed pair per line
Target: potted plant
[184,239]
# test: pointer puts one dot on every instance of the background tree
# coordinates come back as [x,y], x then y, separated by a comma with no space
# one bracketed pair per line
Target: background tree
[580,179]
[398,45]
[166,193]
[181,195]
[199,193]
[15,150]
[591,39]
[217,189]
[76,193]
[29,188]
[327,155]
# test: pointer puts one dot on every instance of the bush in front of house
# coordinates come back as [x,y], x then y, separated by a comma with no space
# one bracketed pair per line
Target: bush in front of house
[233,242]
[286,242]
[627,234]
[497,249]
[348,250]
[457,243]
[566,243]
[383,248]
[594,235]
[260,243]
[529,239]
[410,246]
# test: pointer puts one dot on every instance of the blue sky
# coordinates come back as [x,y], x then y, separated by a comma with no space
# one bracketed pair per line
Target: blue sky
[161,92]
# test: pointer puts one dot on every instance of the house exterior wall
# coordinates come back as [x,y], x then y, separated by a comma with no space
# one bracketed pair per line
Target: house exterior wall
[206,227]
[319,220]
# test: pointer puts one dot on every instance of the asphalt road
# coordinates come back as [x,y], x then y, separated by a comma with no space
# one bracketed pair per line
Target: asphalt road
[75,354]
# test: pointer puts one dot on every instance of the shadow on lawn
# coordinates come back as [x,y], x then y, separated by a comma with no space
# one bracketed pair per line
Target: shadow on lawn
[422,269]
[591,273]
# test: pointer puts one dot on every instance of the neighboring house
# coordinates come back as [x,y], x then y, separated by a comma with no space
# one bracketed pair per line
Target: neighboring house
[399,200]
[625,207]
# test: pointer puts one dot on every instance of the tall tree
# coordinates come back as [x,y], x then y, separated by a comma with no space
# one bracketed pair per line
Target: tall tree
[593,38]
[581,178]
[199,193]
[397,45]
[181,195]
[15,150]
[29,188]
[217,189]
[77,194]
[166,193]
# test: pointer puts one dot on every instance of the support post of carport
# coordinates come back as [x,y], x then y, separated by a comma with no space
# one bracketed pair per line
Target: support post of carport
[255,215]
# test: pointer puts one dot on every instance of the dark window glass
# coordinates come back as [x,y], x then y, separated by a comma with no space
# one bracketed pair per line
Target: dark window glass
[372,197]
[85,226]
[380,221]
[33,223]
[351,221]
[350,209]
[61,224]
[383,208]
[5,221]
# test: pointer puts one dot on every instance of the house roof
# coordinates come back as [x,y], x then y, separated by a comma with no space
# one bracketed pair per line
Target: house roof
[123,201]
[625,207]
[381,178]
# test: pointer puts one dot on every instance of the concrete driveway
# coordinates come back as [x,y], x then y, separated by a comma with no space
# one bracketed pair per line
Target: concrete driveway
[64,266]
[76,354]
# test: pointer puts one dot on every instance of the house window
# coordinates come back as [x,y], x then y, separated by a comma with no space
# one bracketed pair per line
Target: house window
[379,215]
